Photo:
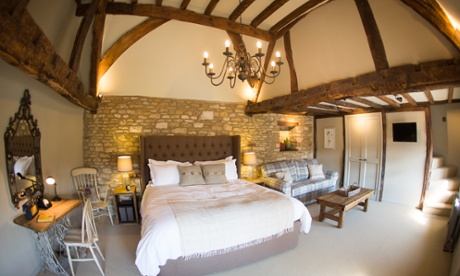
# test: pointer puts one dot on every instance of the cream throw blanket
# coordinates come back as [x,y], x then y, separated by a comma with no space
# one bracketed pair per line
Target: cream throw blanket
[216,226]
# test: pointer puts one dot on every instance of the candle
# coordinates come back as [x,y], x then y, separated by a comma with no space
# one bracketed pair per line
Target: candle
[273,66]
[227,44]
[259,47]
[211,68]
[205,57]
[278,55]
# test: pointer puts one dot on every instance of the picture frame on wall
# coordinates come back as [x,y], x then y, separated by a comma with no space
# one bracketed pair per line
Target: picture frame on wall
[329,138]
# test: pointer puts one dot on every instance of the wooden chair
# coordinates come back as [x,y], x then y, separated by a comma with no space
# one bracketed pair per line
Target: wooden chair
[85,182]
[85,238]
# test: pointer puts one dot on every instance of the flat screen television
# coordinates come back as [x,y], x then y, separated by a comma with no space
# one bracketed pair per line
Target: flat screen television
[405,132]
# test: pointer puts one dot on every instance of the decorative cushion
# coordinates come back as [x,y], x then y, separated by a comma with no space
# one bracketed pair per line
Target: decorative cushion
[316,171]
[285,176]
[190,175]
[230,167]
[214,173]
[279,166]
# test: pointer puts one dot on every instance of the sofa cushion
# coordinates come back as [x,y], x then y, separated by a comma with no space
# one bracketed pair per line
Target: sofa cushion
[316,171]
[301,167]
[279,166]
[307,186]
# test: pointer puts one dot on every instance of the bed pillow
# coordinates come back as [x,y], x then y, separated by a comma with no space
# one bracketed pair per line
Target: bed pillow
[316,171]
[230,167]
[164,174]
[21,164]
[214,173]
[190,175]
[157,162]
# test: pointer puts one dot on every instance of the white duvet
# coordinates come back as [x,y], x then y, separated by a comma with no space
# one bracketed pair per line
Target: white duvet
[160,238]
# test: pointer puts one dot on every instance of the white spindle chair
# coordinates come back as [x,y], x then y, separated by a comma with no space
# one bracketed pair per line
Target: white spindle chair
[84,238]
[85,182]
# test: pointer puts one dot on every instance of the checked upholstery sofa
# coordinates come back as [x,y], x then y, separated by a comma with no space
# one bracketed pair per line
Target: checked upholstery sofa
[303,179]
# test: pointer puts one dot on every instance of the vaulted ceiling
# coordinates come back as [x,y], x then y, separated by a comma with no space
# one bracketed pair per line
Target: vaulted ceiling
[325,72]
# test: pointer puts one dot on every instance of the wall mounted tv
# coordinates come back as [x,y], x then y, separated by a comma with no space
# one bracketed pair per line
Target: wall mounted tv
[405,132]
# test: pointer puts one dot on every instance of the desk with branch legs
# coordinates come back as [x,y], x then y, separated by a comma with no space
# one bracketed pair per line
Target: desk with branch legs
[341,204]
[49,235]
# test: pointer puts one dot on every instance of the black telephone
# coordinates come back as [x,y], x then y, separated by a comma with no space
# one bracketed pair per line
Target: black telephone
[43,203]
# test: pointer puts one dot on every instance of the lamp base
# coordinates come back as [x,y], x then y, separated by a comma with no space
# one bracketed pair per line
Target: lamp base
[56,198]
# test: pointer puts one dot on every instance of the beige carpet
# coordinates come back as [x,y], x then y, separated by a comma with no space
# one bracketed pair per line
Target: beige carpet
[387,240]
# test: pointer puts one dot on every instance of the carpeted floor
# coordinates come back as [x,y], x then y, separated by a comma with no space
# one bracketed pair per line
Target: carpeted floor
[389,239]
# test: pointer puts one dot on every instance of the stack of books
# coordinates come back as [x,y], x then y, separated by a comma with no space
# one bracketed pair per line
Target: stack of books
[45,217]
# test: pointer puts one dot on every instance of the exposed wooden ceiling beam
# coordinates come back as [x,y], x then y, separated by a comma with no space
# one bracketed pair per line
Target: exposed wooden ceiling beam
[240,9]
[367,102]
[450,94]
[184,4]
[290,60]
[185,16]
[405,78]
[409,99]
[269,10]
[96,47]
[389,101]
[429,96]
[435,15]
[353,106]
[373,35]
[24,45]
[300,11]
[126,41]
[210,7]
[80,37]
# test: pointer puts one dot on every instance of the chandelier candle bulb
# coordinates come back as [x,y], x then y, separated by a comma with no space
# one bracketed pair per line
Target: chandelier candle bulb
[259,47]
[211,68]
[227,45]
[205,58]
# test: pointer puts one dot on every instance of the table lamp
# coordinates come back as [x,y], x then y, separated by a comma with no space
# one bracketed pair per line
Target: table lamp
[249,159]
[51,181]
[125,165]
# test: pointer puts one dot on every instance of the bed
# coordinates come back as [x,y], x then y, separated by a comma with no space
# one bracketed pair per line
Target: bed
[164,249]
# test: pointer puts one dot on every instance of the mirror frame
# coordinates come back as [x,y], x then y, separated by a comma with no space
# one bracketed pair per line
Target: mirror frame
[19,144]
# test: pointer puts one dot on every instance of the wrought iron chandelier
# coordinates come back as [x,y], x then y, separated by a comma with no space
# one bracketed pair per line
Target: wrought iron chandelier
[244,66]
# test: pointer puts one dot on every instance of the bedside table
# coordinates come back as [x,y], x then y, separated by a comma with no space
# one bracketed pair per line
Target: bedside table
[126,204]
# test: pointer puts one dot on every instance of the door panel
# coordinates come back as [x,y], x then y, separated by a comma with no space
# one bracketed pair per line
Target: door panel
[363,150]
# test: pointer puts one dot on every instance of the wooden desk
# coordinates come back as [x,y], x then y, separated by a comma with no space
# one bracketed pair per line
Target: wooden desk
[49,235]
[341,204]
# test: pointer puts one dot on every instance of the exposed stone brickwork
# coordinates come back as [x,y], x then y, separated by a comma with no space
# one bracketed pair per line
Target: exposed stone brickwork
[119,122]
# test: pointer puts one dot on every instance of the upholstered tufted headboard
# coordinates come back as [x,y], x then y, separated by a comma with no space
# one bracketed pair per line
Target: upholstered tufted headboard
[187,148]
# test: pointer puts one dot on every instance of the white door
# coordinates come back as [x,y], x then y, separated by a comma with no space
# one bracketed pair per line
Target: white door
[363,150]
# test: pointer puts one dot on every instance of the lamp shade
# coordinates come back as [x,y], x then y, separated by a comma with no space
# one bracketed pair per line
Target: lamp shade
[124,164]
[249,158]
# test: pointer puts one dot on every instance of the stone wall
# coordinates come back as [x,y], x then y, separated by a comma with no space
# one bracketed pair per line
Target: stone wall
[119,122]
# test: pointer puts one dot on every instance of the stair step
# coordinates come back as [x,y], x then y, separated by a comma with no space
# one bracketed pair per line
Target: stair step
[438,209]
[437,161]
[445,184]
[443,172]
[440,196]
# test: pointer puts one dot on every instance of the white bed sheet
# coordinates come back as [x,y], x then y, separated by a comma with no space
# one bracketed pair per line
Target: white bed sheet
[160,238]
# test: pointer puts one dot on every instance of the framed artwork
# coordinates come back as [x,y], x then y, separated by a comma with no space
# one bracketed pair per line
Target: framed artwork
[329,138]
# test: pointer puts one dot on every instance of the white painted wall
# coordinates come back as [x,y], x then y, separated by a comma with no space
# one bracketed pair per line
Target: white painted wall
[405,162]
[332,159]
[61,127]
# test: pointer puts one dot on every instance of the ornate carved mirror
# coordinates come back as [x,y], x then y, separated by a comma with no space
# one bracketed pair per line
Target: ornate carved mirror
[22,150]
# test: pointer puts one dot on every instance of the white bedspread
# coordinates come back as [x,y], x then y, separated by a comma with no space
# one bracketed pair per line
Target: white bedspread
[160,238]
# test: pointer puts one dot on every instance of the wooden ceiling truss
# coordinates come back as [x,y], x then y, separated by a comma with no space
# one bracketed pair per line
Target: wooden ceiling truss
[24,45]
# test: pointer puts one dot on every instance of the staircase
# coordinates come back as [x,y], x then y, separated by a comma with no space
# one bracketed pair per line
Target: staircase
[441,192]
